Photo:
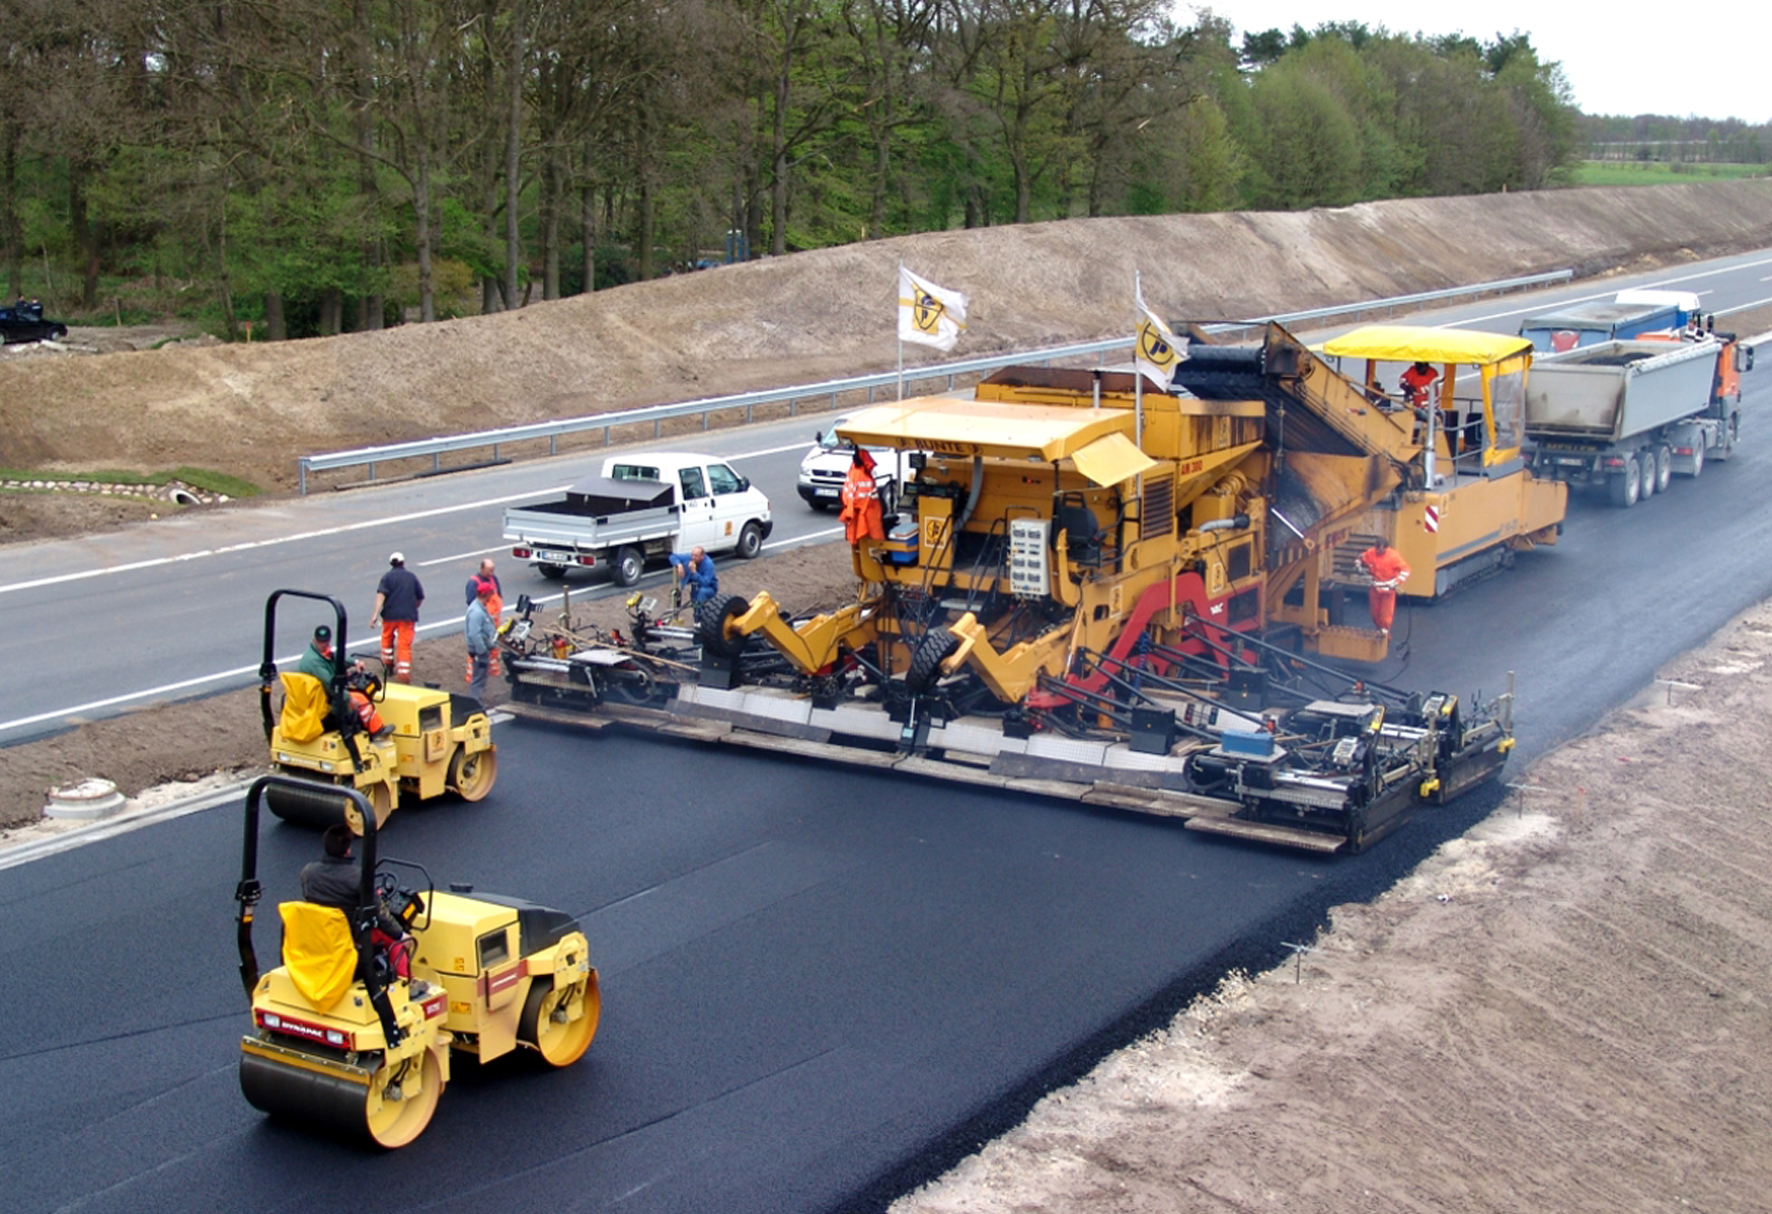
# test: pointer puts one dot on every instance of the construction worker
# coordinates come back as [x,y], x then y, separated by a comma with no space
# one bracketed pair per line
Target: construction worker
[1416,381]
[862,517]
[316,660]
[494,607]
[397,599]
[482,635]
[696,572]
[1389,570]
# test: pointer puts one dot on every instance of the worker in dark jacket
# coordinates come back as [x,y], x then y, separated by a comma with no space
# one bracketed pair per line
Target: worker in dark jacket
[333,879]
[397,599]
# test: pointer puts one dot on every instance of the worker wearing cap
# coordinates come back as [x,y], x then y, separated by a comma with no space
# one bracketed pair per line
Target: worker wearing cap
[482,635]
[397,599]
[316,660]
[1389,570]
[494,607]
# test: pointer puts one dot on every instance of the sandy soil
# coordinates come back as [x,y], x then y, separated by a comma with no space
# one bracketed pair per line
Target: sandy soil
[1566,1011]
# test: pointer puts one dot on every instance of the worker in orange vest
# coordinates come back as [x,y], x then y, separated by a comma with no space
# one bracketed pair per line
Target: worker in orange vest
[1389,570]
[862,517]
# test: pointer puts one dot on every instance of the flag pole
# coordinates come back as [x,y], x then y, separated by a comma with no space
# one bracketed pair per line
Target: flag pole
[898,330]
[1137,375]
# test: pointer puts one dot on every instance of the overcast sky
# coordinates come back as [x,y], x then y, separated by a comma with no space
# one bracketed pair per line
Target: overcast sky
[1680,59]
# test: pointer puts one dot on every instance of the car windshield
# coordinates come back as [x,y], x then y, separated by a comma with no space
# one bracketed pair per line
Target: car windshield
[828,439]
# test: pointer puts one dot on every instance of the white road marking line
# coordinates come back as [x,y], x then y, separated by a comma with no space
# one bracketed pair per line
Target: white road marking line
[373,638]
[132,566]
[461,556]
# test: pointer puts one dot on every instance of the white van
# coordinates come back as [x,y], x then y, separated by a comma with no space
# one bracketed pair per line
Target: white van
[825,466]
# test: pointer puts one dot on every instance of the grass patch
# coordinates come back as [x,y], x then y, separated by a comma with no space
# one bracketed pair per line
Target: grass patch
[1659,172]
[198,478]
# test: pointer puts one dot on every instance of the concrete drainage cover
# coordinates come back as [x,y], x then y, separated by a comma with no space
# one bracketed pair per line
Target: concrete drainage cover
[90,798]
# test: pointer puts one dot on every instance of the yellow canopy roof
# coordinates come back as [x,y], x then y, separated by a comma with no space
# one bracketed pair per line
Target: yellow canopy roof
[947,426]
[1418,343]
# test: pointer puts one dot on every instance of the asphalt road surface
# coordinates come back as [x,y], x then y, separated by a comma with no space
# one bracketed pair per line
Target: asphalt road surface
[820,985]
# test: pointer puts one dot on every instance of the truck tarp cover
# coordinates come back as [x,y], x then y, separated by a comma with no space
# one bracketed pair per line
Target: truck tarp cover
[604,493]
[1407,344]
[947,426]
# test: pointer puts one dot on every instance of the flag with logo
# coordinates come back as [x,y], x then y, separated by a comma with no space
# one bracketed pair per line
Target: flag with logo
[1158,354]
[928,314]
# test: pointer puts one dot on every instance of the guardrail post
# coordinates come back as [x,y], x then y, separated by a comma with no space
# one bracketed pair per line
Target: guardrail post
[301,475]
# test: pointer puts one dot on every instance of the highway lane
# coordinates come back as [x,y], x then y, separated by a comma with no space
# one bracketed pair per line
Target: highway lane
[821,985]
[96,625]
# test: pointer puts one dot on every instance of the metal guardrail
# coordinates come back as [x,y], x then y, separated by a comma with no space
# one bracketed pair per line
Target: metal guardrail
[748,401]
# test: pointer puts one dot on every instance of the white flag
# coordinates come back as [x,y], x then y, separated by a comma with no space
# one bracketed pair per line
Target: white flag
[1157,353]
[928,314]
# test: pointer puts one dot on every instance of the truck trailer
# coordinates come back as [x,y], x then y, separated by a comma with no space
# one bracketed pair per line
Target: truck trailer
[1621,417]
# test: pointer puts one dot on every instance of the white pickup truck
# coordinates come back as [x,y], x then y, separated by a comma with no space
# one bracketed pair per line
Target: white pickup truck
[641,508]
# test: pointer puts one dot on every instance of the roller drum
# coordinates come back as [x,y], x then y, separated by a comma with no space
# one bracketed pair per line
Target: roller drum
[305,1097]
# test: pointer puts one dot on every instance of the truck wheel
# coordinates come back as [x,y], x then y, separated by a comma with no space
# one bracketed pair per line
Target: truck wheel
[552,572]
[1623,487]
[1726,446]
[1697,458]
[1664,468]
[936,647]
[1646,470]
[711,619]
[750,541]
[627,566]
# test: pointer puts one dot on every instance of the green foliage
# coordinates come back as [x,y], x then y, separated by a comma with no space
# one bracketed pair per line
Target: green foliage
[1659,172]
[198,478]
[312,156]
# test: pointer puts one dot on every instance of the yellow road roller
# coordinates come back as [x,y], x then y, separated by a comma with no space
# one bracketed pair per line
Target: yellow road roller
[392,742]
[354,1033]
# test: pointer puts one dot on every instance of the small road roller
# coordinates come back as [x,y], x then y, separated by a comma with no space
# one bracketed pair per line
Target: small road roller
[353,1034]
[429,741]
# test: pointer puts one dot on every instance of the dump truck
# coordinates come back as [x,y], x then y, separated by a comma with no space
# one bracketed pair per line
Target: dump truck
[1073,601]
[1621,417]
[1629,315]
[639,509]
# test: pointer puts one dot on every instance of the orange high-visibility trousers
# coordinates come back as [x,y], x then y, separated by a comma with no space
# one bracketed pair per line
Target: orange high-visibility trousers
[1384,606]
[396,648]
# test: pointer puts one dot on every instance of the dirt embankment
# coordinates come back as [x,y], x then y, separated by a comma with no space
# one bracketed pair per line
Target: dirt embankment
[252,409]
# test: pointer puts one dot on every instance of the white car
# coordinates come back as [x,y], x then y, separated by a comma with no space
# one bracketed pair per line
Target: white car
[825,466]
